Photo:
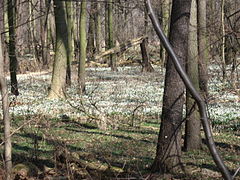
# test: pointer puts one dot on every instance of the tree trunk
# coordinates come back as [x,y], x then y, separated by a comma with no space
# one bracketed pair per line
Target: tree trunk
[98,27]
[6,118]
[60,59]
[43,32]
[32,38]
[202,45]
[2,29]
[193,124]
[12,48]
[70,51]
[201,104]
[91,28]
[165,24]
[168,155]
[111,39]
[83,48]
[147,67]
[223,40]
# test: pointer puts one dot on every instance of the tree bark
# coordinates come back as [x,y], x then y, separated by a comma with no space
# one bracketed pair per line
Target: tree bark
[111,39]
[12,48]
[202,46]
[83,48]
[91,30]
[201,105]
[193,138]
[2,29]
[60,59]
[70,50]
[98,27]
[223,40]
[168,153]
[43,32]
[147,67]
[6,118]
[165,8]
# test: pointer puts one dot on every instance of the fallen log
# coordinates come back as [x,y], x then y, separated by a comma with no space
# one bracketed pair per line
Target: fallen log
[121,47]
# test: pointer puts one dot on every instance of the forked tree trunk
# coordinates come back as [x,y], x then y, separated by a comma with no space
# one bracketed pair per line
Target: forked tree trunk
[168,153]
[60,59]
[193,124]
[6,118]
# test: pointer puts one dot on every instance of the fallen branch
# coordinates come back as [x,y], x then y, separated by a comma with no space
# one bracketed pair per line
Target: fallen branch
[121,47]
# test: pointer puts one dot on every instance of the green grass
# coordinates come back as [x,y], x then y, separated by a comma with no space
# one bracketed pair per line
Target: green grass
[130,149]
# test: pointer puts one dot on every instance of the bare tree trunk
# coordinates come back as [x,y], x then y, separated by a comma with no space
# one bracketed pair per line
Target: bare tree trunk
[32,40]
[111,38]
[202,47]
[165,16]
[98,27]
[2,29]
[147,67]
[193,124]
[223,40]
[83,48]
[12,48]
[168,155]
[60,59]
[91,30]
[70,21]
[44,8]
[6,118]
[201,105]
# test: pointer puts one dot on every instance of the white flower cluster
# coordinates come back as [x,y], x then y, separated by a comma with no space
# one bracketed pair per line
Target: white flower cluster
[124,92]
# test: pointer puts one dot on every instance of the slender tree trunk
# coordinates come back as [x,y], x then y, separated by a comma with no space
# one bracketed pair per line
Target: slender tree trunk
[91,29]
[202,47]
[70,56]
[83,48]
[77,35]
[168,154]
[52,31]
[98,27]
[165,24]
[60,59]
[111,39]
[2,29]
[32,40]
[193,124]
[43,33]
[12,49]
[106,30]
[145,21]
[223,40]
[6,118]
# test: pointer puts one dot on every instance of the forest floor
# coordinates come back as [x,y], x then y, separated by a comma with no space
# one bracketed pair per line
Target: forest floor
[111,132]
